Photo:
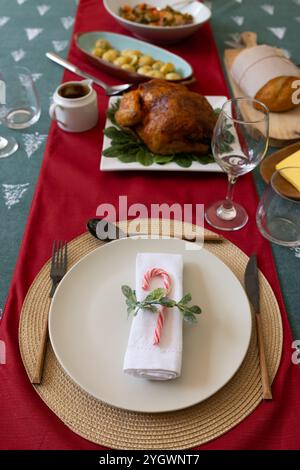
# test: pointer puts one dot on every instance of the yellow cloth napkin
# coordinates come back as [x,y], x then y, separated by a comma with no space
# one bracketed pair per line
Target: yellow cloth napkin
[290,174]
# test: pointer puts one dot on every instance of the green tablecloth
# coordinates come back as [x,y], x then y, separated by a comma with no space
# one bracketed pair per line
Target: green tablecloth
[29,28]
[277,23]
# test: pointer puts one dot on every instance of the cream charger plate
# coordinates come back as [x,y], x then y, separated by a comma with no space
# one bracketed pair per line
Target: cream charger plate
[89,328]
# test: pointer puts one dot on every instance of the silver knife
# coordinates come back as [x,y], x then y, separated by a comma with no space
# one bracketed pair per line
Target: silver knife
[252,289]
[109,90]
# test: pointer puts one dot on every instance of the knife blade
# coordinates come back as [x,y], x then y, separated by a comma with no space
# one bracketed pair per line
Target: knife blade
[251,281]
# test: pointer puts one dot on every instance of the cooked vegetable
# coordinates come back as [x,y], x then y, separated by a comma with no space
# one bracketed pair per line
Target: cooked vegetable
[135,61]
[110,55]
[119,61]
[144,13]
[146,60]
[103,44]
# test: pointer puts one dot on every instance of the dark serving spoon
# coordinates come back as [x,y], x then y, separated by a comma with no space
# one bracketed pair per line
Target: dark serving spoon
[104,230]
[107,232]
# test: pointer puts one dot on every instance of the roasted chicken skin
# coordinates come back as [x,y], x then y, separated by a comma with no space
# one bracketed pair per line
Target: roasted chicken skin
[168,117]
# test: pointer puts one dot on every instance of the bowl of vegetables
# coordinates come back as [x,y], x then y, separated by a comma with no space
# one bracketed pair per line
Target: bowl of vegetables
[159,21]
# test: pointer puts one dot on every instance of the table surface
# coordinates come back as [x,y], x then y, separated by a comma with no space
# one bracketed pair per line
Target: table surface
[28,29]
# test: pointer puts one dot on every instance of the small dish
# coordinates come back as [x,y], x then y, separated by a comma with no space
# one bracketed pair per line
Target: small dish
[86,42]
[161,34]
[268,167]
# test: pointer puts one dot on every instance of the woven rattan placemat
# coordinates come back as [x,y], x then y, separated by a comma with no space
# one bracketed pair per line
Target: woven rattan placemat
[121,429]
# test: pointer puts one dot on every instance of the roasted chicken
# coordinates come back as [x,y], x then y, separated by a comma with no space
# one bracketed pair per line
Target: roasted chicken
[168,117]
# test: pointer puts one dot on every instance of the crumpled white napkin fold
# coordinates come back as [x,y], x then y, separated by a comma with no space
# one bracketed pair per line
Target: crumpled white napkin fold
[142,358]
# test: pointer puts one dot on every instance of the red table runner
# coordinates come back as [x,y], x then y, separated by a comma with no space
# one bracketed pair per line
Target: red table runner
[69,189]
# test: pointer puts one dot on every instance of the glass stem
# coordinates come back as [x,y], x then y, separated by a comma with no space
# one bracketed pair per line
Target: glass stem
[229,196]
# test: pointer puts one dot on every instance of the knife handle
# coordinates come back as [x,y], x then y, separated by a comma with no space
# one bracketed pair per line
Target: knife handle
[39,365]
[266,387]
[61,61]
[73,68]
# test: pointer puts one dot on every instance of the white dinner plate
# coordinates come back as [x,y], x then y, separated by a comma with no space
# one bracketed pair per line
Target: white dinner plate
[89,329]
[113,164]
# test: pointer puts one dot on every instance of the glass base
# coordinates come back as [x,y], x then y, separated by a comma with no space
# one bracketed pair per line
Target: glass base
[280,230]
[21,118]
[221,218]
[8,146]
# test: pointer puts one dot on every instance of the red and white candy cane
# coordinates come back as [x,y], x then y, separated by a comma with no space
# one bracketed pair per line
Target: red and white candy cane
[152,273]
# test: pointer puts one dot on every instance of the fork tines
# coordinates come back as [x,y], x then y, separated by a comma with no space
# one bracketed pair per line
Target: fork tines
[58,263]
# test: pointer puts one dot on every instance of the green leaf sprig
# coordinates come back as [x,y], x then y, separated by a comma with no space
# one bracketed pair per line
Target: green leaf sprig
[127,147]
[158,298]
[228,139]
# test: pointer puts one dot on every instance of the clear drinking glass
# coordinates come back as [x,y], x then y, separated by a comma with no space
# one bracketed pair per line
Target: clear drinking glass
[278,212]
[240,141]
[19,104]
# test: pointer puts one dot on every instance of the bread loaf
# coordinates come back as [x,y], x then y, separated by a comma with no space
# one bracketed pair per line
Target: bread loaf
[264,73]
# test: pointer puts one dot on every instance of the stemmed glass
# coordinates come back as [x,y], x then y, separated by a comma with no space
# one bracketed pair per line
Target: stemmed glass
[239,143]
[19,104]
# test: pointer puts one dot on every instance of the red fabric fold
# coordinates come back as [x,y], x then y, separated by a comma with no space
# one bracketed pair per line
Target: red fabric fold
[69,189]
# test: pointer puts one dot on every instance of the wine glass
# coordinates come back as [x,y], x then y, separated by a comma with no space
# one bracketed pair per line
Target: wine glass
[8,146]
[240,141]
[19,104]
[278,212]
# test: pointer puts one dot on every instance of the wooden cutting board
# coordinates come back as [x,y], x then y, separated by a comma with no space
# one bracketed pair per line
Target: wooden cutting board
[284,127]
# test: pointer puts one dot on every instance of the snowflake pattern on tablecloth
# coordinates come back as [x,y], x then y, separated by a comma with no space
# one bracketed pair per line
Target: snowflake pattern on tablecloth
[239,20]
[13,193]
[43,9]
[59,45]
[268,9]
[18,55]
[4,20]
[279,32]
[67,21]
[32,33]
[32,142]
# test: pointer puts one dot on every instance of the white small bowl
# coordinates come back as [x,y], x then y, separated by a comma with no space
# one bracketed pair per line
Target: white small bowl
[161,34]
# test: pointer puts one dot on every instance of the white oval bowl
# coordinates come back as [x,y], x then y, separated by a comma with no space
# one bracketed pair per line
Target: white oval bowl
[161,34]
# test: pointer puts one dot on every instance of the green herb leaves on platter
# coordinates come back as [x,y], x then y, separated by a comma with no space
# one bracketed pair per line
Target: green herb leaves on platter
[158,298]
[227,140]
[127,147]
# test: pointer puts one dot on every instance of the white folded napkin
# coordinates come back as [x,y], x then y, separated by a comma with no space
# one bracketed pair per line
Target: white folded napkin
[142,358]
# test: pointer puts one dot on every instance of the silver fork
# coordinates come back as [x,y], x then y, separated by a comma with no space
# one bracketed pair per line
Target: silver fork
[109,90]
[59,264]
